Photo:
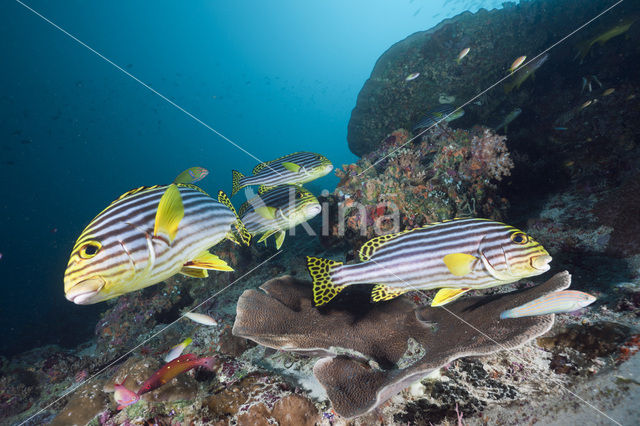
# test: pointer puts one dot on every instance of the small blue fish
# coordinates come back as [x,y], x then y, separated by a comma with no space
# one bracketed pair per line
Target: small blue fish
[553,303]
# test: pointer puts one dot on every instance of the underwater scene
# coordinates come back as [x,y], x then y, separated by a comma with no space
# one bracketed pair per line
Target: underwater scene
[366,212]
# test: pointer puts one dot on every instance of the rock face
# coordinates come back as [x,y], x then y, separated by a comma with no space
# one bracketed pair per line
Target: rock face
[369,352]
[495,38]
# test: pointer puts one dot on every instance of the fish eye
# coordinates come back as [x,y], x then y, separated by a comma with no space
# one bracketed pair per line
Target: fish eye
[299,195]
[90,249]
[519,238]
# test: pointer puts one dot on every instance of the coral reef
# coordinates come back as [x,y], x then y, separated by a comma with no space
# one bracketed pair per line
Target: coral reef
[371,353]
[443,174]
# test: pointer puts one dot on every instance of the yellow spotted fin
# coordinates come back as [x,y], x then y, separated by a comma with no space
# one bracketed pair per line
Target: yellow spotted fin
[292,167]
[236,186]
[381,292]
[323,289]
[262,189]
[243,236]
[446,295]
[459,264]
[206,260]
[193,272]
[169,214]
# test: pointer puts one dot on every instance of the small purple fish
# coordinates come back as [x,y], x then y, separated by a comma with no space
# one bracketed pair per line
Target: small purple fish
[552,303]
[192,175]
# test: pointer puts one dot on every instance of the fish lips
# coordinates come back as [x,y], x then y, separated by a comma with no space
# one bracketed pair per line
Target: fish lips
[541,263]
[85,291]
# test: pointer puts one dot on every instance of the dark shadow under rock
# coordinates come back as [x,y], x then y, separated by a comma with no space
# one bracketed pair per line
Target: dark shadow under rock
[373,351]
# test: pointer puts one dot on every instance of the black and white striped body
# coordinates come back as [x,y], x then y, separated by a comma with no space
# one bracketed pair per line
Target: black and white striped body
[273,173]
[131,256]
[293,205]
[414,259]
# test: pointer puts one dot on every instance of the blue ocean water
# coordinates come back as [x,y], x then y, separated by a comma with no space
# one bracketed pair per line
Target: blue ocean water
[76,132]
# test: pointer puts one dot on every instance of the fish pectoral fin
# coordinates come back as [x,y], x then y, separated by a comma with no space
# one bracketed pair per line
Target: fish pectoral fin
[267,212]
[280,239]
[169,214]
[459,264]
[292,167]
[381,293]
[194,272]
[446,295]
[206,260]
[266,235]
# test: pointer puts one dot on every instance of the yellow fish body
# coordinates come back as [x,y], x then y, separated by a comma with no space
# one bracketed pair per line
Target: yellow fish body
[146,236]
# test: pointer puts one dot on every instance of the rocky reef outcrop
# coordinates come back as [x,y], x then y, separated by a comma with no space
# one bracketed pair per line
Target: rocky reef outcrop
[371,352]
[495,38]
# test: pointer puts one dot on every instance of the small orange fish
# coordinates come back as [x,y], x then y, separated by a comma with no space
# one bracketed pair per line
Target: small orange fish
[172,369]
[517,63]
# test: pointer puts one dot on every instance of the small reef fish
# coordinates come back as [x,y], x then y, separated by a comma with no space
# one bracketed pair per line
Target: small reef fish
[277,210]
[456,256]
[608,91]
[177,350]
[619,29]
[123,396]
[524,73]
[508,119]
[148,235]
[174,368]
[553,303]
[444,112]
[462,54]
[586,104]
[201,318]
[412,76]
[517,63]
[192,175]
[296,168]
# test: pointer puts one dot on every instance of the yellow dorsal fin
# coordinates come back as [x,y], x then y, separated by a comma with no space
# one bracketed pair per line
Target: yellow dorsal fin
[381,292]
[370,247]
[266,212]
[260,166]
[193,272]
[206,260]
[169,214]
[262,189]
[459,264]
[446,295]
[292,167]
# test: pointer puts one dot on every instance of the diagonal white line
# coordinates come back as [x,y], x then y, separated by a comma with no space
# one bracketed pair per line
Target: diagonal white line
[495,84]
[118,67]
[523,361]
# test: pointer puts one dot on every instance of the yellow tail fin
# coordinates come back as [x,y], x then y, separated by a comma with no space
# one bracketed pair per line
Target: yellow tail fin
[243,234]
[323,289]
[236,186]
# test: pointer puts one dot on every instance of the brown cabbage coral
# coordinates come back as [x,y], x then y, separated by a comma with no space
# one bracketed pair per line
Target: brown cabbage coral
[442,174]
[370,352]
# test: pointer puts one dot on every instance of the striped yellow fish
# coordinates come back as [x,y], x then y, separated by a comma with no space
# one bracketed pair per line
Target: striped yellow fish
[146,236]
[296,169]
[553,303]
[456,256]
[277,210]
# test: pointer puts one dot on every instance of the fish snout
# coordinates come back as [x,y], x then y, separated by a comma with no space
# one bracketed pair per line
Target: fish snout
[328,168]
[313,210]
[83,293]
[541,262]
